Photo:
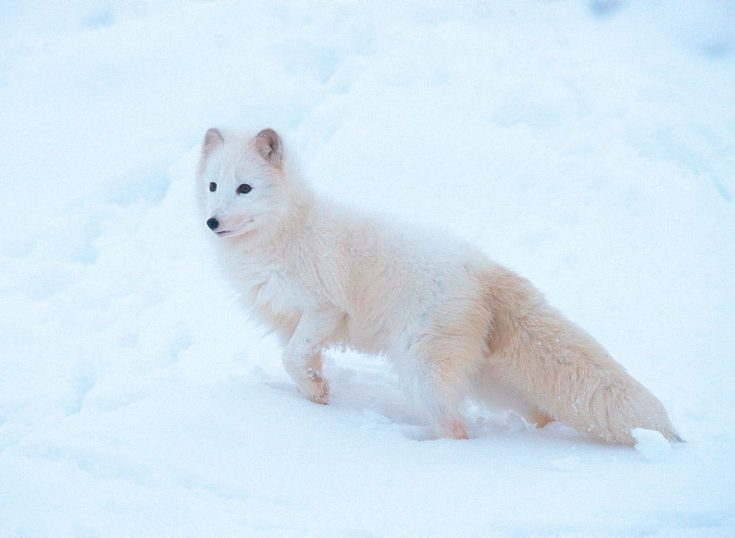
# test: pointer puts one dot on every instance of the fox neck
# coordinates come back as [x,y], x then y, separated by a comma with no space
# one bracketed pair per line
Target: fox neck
[300,210]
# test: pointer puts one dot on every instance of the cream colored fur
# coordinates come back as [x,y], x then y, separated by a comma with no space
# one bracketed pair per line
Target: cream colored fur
[454,324]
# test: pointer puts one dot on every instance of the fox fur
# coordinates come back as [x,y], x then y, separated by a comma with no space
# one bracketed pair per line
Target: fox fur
[454,324]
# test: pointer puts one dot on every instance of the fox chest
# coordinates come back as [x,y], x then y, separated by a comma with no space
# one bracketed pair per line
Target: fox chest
[276,300]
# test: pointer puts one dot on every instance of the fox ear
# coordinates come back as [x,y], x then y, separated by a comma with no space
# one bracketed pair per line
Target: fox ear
[268,144]
[212,139]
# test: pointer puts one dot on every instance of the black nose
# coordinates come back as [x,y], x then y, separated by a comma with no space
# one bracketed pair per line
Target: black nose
[212,223]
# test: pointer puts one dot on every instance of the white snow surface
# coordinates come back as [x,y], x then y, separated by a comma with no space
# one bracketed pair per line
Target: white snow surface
[589,146]
[651,444]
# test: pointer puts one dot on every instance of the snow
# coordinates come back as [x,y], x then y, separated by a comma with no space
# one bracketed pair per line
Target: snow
[651,444]
[588,145]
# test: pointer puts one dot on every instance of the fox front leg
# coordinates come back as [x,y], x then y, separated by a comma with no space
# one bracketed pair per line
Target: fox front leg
[302,356]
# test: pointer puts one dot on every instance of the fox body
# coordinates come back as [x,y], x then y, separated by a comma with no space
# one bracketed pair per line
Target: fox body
[454,324]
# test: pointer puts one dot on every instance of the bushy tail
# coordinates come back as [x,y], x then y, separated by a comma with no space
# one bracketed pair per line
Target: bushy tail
[563,371]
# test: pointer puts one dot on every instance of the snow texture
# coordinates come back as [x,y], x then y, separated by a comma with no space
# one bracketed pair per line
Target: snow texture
[588,145]
[651,444]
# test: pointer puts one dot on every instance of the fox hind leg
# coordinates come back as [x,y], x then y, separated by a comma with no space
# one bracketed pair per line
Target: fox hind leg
[439,379]
[439,401]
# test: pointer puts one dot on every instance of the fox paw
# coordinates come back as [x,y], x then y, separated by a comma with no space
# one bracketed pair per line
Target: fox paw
[317,389]
[455,430]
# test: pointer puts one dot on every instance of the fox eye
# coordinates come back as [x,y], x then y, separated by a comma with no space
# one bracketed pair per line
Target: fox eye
[244,189]
[212,186]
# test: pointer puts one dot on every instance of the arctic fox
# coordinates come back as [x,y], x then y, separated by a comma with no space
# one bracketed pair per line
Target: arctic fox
[454,324]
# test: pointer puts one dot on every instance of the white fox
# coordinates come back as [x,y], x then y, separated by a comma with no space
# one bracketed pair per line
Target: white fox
[454,324]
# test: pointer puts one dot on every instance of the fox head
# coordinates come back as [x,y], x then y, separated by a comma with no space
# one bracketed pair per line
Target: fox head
[242,184]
